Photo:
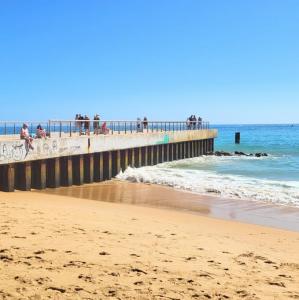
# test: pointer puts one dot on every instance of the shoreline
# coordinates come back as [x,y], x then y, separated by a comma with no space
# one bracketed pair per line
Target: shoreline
[159,196]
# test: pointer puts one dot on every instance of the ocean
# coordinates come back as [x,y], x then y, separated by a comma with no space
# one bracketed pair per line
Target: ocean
[272,179]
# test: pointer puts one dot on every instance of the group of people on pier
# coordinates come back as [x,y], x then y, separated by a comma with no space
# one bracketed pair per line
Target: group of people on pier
[193,122]
[83,125]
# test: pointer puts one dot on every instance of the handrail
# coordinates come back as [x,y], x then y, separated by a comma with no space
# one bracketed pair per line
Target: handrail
[80,127]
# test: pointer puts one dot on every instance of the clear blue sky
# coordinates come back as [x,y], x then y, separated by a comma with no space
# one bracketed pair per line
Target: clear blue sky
[229,61]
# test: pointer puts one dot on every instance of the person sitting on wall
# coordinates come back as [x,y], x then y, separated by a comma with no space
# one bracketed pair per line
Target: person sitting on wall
[40,132]
[24,135]
[104,129]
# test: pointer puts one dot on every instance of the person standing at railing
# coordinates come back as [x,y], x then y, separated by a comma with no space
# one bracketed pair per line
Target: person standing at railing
[193,121]
[96,124]
[189,122]
[199,122]
[87,125]
[139,129]
[145,123]
[80,123]
[24,135]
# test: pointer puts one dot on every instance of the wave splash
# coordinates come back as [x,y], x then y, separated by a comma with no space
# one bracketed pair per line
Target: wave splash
[184,175]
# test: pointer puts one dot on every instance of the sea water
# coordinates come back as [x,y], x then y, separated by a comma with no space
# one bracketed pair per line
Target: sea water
[271,179]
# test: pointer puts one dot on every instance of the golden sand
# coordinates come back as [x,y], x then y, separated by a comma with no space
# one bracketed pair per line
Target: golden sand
[62,247]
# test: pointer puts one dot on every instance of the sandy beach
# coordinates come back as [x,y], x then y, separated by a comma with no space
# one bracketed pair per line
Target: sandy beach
[66,247]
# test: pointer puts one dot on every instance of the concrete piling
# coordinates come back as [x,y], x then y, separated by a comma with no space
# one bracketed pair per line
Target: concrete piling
[88,168]
[78,169]
[23,176]
[39,174]
[66,167]
[53,172]
[8,178]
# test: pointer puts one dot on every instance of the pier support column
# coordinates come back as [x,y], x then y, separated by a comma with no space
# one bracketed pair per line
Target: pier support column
[161,153]
[107,165]
[176,151]
[157,154]
[7,178]
[166,152]
[98,167]
[136,157]
[189,149]
[181,152]
[149,155]
[39,174]
[66,168]
[172,149]
[124,158]
[116,163]
[153,155]
[53,173]
[23,176]
[88,168]
[139,157]
[78,169]
[132,158]
[126,154]
[145,156]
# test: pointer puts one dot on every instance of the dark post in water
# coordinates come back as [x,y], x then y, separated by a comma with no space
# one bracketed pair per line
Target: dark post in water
[237,137]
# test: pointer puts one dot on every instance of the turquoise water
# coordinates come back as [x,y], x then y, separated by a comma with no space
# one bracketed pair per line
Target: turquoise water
[271,179]
[280,141]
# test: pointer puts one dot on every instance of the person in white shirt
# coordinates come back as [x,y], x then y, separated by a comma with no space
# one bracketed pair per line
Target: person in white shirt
[24,135]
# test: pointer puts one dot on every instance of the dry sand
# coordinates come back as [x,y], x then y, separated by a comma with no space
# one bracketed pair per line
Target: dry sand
[59,247]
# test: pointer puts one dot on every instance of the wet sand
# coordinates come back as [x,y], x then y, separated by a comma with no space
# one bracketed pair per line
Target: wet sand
[64,247]
[165,197]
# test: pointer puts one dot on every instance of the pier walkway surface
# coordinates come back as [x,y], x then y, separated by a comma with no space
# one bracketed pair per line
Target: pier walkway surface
[68,157]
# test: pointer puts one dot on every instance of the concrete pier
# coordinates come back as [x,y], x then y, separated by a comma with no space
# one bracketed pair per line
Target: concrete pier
[77,160]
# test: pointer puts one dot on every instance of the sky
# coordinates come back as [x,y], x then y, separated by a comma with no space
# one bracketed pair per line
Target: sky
[228,61]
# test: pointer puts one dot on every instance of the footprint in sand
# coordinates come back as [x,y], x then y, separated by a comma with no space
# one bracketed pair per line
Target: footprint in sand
[53,288]
[135,255]
[86,278]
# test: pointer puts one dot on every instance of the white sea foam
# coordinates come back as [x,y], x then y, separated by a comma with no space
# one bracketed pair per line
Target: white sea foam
[181,175]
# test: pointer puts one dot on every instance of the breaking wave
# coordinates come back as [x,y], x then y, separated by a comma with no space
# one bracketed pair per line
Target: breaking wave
[204,176]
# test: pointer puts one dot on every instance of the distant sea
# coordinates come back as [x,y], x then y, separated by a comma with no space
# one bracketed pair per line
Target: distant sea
[272,179]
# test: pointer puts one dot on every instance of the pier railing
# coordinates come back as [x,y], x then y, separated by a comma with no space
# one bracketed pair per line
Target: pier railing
[70,128]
